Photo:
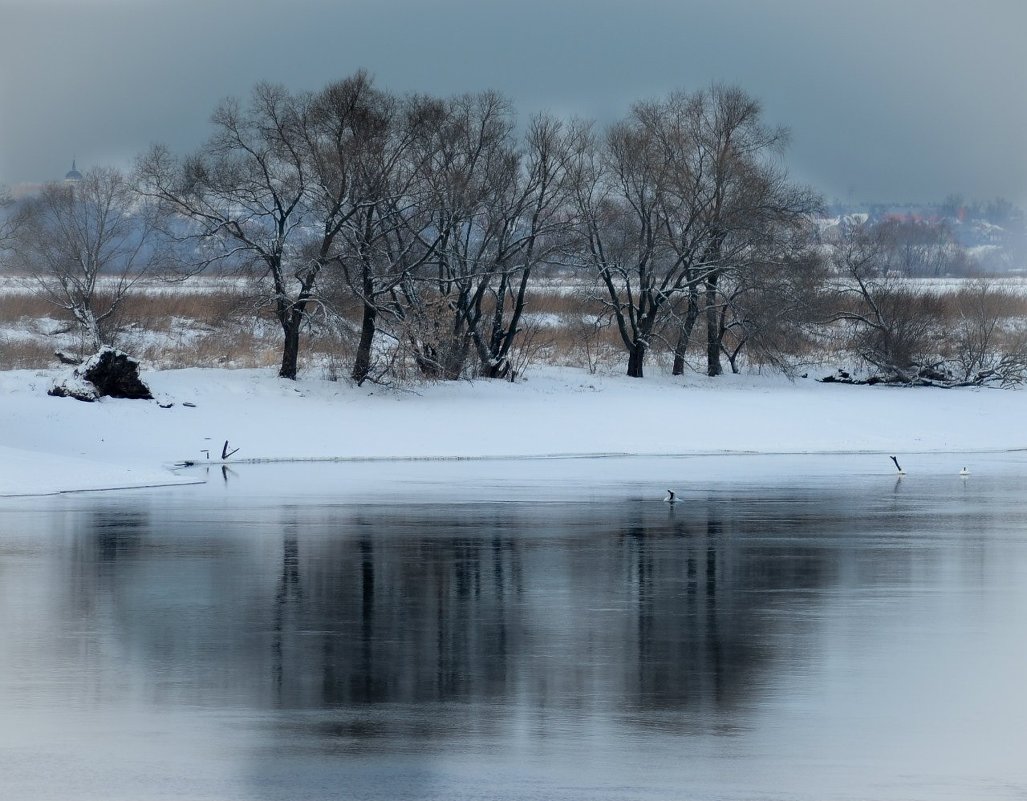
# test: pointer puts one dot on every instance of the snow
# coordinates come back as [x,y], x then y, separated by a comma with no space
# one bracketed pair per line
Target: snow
[52,445]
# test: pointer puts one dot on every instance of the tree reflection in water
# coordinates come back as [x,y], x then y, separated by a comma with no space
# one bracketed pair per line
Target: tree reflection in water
[542,633]
[408,620]
[441,613]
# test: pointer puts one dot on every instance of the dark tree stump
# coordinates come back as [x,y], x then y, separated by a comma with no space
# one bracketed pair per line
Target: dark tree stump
[110,373]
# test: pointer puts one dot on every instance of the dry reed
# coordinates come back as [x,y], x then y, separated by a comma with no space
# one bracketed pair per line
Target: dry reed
[173,326]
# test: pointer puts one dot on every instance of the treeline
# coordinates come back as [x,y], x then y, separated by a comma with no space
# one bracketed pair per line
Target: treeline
[434,216]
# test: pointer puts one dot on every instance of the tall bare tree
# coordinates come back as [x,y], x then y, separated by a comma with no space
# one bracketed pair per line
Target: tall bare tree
[738,202]
[498,210]
[84,246]
[391,235]
[467,169]
[618,181]
[535,223]
[273,189]
[674,199]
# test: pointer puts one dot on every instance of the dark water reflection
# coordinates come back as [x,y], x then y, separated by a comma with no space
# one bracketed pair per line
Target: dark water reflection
[550,648]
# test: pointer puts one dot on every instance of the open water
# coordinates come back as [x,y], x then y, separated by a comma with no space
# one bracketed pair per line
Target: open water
[796,629]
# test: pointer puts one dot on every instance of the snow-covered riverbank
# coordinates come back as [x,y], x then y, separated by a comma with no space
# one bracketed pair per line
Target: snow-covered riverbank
[56,444]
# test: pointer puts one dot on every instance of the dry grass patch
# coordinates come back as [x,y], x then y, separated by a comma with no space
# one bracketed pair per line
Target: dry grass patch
[25,355]
[238,349]
[229,324]
[17,306]
[994,302]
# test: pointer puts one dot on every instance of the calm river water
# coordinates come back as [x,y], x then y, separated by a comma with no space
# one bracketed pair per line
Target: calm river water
[801,629]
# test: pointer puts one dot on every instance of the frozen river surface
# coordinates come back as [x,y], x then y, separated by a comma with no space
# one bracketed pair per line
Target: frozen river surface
[795,628]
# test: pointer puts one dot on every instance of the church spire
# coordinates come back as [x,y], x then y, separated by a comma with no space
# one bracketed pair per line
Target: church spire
[73,176]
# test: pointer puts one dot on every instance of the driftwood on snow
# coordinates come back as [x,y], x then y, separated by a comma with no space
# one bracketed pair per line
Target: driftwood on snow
[934,375]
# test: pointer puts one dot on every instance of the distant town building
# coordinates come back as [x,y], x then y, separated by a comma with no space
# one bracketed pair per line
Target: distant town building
[73,176]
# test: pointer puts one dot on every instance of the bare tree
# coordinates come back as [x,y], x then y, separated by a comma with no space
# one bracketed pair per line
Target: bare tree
[468,165]
[918,248]
[272,190]
[745,206]
[679,196]
[6,228]
[891,326]
[770,309]
[239,200]
[85,245]
[535,223]
[617,180]
[980,350]
[8,221]
[464,216]
[391,235]
[915,337]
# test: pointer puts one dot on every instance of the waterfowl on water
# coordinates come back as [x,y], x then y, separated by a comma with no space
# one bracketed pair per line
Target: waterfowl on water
[898,466]
[671,497]
[964,472]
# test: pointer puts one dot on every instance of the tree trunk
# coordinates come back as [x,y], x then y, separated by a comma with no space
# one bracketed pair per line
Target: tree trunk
[636,359]
[362,362]
[90,326]
[291,347]
[685,333]
[732,353]
[497,368]
[492,361]
[713,366]
[427,360]
[455,357]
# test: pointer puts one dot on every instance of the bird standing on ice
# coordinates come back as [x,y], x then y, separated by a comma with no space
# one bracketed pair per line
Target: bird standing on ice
[898,466]
[671,497]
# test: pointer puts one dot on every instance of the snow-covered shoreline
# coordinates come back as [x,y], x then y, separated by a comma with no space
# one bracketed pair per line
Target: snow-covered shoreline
[51,445]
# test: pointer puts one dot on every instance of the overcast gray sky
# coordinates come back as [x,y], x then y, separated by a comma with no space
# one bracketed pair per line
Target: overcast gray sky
[886,99]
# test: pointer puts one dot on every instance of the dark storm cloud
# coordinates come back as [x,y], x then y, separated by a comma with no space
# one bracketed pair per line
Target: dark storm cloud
[904,99]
